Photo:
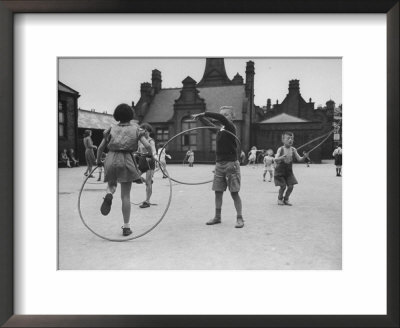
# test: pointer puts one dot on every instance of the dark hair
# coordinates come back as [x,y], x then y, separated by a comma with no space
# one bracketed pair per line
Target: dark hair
[123,113]
[340,145]
[288,133]
[87,133]
[147,127]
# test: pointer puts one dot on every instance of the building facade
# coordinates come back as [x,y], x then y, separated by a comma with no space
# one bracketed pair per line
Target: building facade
[169,110]
[67,128]
[300,117]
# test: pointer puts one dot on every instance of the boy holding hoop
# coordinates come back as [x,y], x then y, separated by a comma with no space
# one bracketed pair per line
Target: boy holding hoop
[227,167]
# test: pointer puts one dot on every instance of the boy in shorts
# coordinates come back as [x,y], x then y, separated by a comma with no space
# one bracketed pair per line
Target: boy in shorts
[284,176]
[269,165]
[227,167]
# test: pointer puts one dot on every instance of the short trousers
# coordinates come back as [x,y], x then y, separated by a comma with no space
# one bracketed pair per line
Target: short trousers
[227,175]
[284,175]
[268,169]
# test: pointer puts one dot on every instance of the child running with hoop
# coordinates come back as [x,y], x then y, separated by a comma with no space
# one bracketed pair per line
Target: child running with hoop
[284,177]
[119,166]
[227,167]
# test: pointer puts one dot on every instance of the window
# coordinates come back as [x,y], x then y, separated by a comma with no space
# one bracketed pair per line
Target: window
[62,119]
[189,140]
[213,141]
[162,134]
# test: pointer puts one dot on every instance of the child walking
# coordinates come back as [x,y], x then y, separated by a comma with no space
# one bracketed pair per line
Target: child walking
[252,156]
[269,165]
[151,164]
[89,153]
[190,157]
[337,154]
[284,177]
[119,166]
[161,154]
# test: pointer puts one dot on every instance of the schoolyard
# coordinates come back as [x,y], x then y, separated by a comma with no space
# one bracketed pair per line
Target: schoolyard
[305,236]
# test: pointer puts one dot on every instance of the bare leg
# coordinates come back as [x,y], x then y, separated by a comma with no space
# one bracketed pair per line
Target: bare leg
[237,202]
[149,185]
[281,191]
[126,200]
[288,192]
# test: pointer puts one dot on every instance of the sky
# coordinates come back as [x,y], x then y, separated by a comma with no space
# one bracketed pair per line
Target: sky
[103,83]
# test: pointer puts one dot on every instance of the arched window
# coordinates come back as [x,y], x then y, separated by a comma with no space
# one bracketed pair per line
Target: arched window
[189,140]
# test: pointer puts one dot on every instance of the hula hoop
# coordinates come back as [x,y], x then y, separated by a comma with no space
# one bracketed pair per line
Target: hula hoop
[128,238]
[183,132]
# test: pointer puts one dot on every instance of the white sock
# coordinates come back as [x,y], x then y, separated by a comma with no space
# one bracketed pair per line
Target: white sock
[127,225]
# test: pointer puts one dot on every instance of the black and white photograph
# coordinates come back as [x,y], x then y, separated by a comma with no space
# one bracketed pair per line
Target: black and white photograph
[199,163]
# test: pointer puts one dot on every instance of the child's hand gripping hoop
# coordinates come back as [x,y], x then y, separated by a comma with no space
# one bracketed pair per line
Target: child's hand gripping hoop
[186,131]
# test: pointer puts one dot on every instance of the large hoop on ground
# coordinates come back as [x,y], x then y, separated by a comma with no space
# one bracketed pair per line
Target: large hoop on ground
[132,236]
[186,131]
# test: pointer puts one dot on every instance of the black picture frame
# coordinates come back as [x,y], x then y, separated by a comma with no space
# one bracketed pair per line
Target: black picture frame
[10,7]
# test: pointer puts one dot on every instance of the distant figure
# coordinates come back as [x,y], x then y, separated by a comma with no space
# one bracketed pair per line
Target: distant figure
[161,154]
[242,157]
[269,164]
[64,158]
[337,154]
[252,156]
[190,157]
[72,158]
[151,164]
[89,153]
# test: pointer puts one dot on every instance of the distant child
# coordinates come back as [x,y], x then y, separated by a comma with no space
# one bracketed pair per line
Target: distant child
[119,166]
[284,177]
[242,157]
[89,153]
[161,155]
[190,157]
[151,164]
[337,154]
[103,158]
[269,164]
[64,158]
[72,157]
[252,156]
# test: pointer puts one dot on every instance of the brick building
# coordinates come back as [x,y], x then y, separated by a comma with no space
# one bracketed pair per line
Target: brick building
[67,128]
[169,110]
[298,116]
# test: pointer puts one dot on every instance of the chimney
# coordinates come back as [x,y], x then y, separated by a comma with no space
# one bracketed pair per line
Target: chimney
[156,80]
[330,105]
[294,86]
[145,89]
[268,104]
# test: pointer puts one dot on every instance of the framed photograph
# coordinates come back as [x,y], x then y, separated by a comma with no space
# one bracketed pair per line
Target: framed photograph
[192,174]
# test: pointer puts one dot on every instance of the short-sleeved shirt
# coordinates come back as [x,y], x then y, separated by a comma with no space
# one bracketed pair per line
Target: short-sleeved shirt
[124,137]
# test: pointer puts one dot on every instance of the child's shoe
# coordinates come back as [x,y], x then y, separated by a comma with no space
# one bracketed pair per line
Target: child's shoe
[214,221]
[106,206]
[286,202]
[145,205]
[126,231]
[280,202]
[239,223]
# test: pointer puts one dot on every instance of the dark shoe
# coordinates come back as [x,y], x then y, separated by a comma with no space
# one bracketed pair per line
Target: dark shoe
[91,176]
[286,202]
[214,221]
[138,181]
[144,205]
[126,231]
[106,206]
[239,223]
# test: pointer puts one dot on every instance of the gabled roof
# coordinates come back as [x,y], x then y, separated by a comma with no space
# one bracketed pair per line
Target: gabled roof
[283,118]
[94,120]
[162,107]
[65,88]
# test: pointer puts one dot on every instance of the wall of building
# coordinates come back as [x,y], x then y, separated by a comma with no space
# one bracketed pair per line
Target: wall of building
[70,139]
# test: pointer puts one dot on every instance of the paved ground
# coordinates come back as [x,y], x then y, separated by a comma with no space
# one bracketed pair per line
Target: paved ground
[307,235]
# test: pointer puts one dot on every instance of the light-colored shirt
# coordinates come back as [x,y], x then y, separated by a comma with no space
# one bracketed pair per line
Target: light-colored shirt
[268,161]
[337,151]
[124,137]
